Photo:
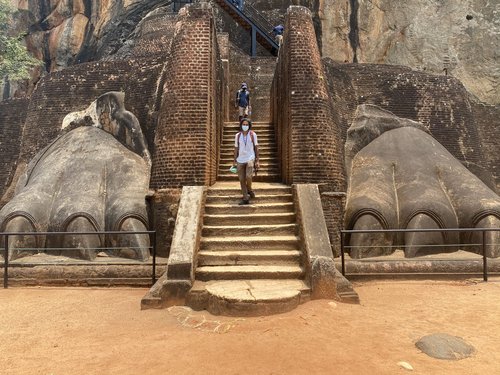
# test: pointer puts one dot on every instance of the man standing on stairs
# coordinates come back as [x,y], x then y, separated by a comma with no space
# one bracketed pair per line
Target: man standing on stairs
[242,101]
[246,157]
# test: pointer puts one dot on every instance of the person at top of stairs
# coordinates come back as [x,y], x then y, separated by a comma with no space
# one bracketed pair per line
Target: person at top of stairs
[243,101]
[246,157]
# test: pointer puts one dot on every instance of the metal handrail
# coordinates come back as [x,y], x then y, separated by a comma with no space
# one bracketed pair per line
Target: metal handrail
[259,19]
[255,20]
[6,236]
[482,244]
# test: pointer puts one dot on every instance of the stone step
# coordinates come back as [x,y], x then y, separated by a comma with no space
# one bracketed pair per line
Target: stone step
[263,147]
[263,170]
[263,167]
[265,134]
[248,258]
[276,189]
[262,154]
[248,297]
[255,124]
[261,198]
[290,242]
[261,139]
[253,207]
[207,273]
[274,218]
[261,177]
[249,230]
[230,136]
[262,159]
[263,164]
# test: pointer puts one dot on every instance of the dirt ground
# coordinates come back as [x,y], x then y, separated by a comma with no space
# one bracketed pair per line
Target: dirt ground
[103,331]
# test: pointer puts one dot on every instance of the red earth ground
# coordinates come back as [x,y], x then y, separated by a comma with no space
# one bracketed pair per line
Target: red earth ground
[103,331]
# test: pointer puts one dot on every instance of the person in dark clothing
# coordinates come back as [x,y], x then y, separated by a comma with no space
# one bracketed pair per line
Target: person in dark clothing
[238,4]
[242,101]
[278,34]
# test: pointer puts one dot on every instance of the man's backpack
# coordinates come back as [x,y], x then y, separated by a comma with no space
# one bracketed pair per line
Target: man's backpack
[238,95]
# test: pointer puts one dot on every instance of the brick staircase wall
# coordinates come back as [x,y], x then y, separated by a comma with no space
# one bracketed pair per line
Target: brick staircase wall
[487,122]
[439,102]
[258,73]
[12,115]
[308,135]
[308,139]
[190,118]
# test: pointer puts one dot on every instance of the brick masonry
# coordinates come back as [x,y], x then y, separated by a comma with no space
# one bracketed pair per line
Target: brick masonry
[257,73]
[487,119]
[441,103]
[74,88]
[12,116]
[190,119]
[308,136]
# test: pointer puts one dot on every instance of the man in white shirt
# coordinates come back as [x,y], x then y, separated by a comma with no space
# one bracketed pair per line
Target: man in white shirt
[246,157]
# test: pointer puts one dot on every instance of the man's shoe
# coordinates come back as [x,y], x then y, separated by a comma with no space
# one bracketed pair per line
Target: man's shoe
[252,194]
[244,201]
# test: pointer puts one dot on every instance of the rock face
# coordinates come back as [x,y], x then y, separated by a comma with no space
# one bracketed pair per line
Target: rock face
[438,36]
[67,32]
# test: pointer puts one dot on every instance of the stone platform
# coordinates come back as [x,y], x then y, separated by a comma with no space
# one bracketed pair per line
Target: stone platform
[452,265]
[248,297]
[48,270]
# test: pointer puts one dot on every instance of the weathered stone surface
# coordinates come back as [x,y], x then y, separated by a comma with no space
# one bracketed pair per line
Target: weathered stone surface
[405,179]
[461,37]
[75,31]
[444,346]
[84,181]
[326,281]
[248,297]
[173,285]
[186,238]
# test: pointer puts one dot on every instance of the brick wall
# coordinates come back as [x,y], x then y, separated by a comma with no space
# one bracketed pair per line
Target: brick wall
[258,73]
[309,138]
[439,102]
[487,122]
[74,88]
[164,207]
[12,115]
[190,117]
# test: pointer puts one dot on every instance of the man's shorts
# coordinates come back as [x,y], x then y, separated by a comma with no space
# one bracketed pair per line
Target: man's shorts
[279,40]
[245,170]
[243,111]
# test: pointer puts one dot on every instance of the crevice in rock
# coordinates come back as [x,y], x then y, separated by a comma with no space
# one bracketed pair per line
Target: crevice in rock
[353,30]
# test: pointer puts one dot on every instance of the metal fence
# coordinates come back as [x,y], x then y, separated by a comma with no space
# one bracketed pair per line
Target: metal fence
[116,235]
[482,244]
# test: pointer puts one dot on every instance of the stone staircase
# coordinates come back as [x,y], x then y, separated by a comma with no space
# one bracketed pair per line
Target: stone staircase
[268,171]
[250,260]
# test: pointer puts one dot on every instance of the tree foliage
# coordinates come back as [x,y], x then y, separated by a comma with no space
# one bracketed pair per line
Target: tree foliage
[15,61]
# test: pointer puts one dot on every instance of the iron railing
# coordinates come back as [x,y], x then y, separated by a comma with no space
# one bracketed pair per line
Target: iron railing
[483,243]
[116,234]
[258,23]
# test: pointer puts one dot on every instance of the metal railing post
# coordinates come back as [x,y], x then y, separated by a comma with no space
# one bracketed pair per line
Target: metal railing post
[485,261]
[6,263]
[342,256]
[253,51]
[154,257]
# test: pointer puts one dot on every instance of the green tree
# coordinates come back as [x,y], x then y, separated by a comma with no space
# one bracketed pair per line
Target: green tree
[15,61]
